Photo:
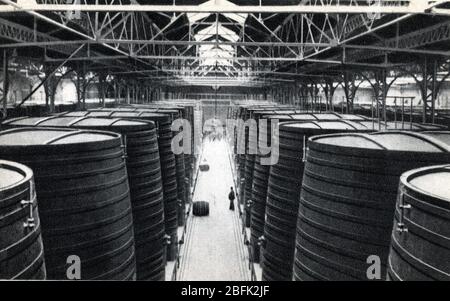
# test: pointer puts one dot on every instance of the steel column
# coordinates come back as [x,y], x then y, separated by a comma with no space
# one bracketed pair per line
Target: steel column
[5,84]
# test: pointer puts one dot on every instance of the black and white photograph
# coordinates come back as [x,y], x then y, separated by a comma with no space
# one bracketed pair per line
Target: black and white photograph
[224,145]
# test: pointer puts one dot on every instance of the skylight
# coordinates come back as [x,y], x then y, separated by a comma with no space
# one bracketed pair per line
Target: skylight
[217,54]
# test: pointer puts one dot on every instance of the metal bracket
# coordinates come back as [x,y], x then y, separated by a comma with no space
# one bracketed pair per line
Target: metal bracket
[167,240]
[25,203]
[30,222]
[400,227]
[242,183]
[250,204]
[262,241]
[304,149]
[124,147]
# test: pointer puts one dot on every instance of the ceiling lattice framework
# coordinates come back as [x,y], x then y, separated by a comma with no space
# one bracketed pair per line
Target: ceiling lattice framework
[234,41]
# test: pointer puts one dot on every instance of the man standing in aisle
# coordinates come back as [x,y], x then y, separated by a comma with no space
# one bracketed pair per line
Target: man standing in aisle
[231,197]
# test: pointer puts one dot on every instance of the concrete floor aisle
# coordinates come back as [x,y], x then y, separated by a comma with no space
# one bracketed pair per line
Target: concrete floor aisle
[214,248]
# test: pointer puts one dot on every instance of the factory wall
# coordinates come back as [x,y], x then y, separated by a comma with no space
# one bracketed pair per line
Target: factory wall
[21,85]
[364,95]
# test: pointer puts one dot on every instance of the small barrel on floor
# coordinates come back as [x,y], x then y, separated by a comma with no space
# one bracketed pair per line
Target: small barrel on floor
[21,248]
[200,208]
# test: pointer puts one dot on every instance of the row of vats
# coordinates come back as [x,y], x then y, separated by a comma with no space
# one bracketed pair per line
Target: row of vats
[102,186]
[331,206]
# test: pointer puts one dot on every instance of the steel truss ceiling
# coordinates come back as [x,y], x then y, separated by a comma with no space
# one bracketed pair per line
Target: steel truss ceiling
[219,39]
[224,6]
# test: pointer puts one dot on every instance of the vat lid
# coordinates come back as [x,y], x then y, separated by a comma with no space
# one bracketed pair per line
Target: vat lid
[277,116]
[436,181]
[298,116]
[138,114]
[12,174]
[325,125]
[52,136]
[352,117]
[154,115]
[8,176]
[443,136]
[76,114]
[23,121]
[57,121]
[126,109]
[99,114]
[113,122]
[97,122]
[327,116]
[392,140]
[286,112]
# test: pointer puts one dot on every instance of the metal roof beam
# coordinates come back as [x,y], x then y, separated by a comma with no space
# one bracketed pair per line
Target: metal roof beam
[253,72]
[411,7]
[388,47]
[159,42]
[65,27]
[249,59]
[24,35]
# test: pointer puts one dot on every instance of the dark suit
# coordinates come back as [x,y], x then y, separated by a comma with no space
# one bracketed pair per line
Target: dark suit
[231,197]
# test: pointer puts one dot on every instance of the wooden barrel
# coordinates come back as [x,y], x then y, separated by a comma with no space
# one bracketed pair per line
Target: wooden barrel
[189,165]
[245,160]
[184,177]
[261,180]
[181,188]
[420,249]
[258,206]
[168,165]
[84,200]
[249,163]
[144,174]
[21,248]
[348,196]
[168,172]
[176,113]
[283,194]
[248,172]
[251,160]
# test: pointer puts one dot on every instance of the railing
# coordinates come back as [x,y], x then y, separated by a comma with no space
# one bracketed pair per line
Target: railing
[382,112]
